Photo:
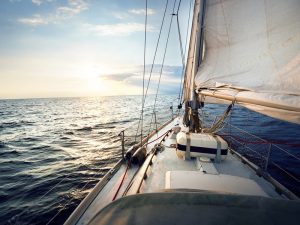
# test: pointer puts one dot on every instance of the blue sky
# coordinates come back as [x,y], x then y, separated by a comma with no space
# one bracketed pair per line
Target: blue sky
[53,48]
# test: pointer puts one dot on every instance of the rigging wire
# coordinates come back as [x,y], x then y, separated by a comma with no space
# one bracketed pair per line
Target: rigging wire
[163,61]
[144,71]
[185,47]
[181,47]
[153,62]
[16,217]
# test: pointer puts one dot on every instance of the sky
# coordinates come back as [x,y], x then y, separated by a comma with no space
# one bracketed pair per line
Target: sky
[66,48]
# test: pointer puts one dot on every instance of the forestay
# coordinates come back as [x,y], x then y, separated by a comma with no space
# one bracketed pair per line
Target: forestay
[252,55]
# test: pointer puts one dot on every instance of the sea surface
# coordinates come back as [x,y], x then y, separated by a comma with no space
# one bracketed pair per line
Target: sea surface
[53,151]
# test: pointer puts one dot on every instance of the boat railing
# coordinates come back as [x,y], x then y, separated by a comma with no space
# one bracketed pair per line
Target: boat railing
[63,202]
[274,158]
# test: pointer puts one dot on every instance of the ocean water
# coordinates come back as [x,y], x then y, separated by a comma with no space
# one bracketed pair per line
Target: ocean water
[54,151]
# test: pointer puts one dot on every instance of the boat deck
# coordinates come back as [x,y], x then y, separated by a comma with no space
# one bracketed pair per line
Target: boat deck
[163,170]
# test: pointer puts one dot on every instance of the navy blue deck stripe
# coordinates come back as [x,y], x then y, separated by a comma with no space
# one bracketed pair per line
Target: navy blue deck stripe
[202,149]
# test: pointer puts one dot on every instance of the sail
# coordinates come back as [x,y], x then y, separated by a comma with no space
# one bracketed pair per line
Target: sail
[252,55]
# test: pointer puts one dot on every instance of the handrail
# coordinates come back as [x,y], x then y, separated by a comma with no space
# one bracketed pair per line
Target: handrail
[78,212]
[246,144]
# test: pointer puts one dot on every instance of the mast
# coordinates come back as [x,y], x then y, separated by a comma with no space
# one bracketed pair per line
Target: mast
[191,59]
[194,59]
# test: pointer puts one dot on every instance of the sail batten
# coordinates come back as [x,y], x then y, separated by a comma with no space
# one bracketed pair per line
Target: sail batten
[253,48]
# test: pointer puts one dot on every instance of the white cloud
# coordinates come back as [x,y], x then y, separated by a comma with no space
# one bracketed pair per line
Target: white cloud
[35,20]
[170,80]
[119,29]
[120,15]
[142,11]
[61,13]
[37,2]
[74,7]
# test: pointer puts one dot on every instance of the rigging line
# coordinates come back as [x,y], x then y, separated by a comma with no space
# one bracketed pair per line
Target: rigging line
[121,183]
[181,49]
[162,65]
[71,199]
[53,187]
[163,61]
[188,26]
[284,170]
[47,192]
[150,126]
[145,45]
[185,48]
[65,178]
[155,52]
[152,66]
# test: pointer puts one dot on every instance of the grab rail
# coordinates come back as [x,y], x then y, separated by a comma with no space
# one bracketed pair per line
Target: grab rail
[261,152]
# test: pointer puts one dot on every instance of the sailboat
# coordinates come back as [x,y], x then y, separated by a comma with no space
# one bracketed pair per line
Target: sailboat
[241,52]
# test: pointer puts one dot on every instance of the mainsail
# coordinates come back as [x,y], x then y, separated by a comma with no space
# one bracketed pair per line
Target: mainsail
[251,55]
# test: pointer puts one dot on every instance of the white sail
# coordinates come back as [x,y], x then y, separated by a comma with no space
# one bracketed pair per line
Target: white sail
[252,55]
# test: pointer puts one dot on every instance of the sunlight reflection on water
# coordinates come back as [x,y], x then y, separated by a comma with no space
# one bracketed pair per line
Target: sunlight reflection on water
[66,142]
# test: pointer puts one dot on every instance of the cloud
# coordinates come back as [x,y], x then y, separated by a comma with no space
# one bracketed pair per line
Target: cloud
[131,13]
[170,80]
[142,11]
[118,29]
[118,76]
[61,13]
[74,7]
[35,20]
[37,2]
[120,15]
[174,72]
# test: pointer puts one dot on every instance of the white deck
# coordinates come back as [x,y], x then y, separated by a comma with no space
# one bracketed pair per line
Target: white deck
[167,160]
[194,174]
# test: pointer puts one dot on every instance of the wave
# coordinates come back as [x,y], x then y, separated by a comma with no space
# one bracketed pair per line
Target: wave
[12,153]
[104,125]
[31,139]
[42,147]
[2,144]
[69,150]
[88,117]
[85,129]
[64,138]
[15,124]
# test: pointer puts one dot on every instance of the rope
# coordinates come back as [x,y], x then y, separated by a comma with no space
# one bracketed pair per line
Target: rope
[63,208]
[219,123]
[51,189]
[145,45]
[185,48]
[266,142]
[158,137]
[154,58]
[164,56]
[47,192]
[288,173]
[153,62]
[181,50]
[122,181]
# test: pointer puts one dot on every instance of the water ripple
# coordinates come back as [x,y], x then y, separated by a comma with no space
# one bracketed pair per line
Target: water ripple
[56,146]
